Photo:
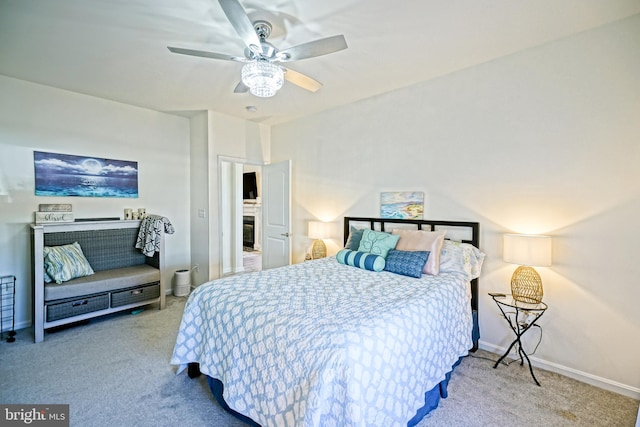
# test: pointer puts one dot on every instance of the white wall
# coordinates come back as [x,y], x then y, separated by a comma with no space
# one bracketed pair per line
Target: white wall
[544,141]
[199,190]
[230,138]
[35,117]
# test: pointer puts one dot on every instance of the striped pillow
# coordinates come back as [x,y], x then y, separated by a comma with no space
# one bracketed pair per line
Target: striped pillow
[362,260]
[66,262]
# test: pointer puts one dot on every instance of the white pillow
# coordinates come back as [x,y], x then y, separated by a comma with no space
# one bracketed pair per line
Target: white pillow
[461,257]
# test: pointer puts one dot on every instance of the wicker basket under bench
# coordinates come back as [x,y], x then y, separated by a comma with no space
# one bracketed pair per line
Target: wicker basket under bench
[124,278]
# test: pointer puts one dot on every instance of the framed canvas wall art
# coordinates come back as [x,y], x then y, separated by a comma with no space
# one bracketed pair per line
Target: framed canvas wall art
[402,204]
[70,175]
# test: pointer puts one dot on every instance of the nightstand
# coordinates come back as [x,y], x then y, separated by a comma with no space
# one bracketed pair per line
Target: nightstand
[521,316]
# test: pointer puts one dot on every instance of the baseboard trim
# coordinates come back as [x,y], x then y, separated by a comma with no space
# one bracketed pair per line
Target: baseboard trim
[584,377]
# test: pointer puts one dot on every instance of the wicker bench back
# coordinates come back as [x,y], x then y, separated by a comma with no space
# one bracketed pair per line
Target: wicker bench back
[104,249]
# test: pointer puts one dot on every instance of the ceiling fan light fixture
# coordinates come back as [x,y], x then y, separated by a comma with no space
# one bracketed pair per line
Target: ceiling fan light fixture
[262,78]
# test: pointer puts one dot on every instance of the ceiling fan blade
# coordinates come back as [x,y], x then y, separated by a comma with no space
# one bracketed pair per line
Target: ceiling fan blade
[204,54]
[241,88]
[301,80]
[314,48]
[241,22]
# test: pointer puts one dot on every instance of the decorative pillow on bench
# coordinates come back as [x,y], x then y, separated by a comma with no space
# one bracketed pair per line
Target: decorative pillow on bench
[66,262]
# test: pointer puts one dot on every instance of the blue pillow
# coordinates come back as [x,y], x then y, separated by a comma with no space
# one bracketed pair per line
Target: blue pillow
[355,236]
[407,263]
[360,259]
[377,242]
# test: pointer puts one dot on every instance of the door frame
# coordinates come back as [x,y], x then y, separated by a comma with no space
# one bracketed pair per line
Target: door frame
[235,215]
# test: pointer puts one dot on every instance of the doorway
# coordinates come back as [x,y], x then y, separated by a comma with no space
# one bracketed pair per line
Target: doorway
[251,217]
[254,224]
[240,216]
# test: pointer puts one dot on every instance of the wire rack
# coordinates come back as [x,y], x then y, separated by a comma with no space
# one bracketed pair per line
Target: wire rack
[7,307]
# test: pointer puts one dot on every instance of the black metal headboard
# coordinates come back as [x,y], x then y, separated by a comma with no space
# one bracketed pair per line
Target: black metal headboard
[471,229]
[467,232]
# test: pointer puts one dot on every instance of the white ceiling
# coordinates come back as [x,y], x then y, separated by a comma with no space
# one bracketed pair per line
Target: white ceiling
[117,49]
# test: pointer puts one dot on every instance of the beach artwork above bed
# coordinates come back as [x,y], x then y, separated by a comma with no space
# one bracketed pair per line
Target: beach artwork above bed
[69,175]
[402,204]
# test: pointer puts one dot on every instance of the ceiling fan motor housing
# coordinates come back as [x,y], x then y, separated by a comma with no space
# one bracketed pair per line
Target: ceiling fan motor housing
[263,29]
[266,51]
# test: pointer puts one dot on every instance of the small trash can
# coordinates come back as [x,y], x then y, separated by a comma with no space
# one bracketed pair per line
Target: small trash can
[182,283]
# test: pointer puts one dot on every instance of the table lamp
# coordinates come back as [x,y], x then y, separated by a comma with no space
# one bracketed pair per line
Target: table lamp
[318,230]
[527,251]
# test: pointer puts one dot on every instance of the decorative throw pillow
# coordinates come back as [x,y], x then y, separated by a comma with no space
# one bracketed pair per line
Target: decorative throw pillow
[407,263]
[66,262]
[420,240]
[355,236]
[360,259]
[377,242]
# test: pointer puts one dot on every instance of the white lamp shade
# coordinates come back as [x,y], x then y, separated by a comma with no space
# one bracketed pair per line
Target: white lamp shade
[527,249]
[319,230]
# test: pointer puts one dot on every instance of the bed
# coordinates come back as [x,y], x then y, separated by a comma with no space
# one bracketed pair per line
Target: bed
[326,343]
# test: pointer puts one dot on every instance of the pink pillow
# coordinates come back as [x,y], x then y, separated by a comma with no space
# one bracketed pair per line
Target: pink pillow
[420,240]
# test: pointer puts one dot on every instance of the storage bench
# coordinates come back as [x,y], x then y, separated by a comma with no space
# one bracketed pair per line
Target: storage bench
[124,278]
[75,306]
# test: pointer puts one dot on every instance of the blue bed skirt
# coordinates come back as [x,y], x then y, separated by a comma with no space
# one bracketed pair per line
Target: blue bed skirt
[217,387]
[432,397]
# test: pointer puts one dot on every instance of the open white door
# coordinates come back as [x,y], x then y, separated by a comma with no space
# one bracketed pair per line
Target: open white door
[276,214]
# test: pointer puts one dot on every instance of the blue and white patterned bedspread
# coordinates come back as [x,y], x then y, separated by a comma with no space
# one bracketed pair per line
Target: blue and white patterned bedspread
[325,344]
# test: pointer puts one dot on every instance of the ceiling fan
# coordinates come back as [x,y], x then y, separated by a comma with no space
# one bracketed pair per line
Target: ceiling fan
[262,75]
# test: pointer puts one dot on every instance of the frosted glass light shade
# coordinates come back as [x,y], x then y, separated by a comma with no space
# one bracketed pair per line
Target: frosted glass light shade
[262,78]
[527,249]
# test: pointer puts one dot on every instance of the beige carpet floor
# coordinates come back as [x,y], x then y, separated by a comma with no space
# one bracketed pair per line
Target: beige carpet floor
[115,371]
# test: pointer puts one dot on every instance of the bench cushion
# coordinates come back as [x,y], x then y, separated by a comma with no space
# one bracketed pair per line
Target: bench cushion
[102,281]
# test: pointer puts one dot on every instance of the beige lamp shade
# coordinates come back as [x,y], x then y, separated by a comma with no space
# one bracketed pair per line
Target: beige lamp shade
[319,230]
[527,251]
